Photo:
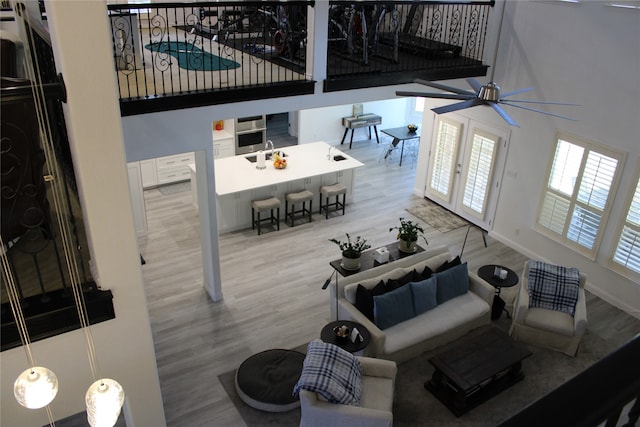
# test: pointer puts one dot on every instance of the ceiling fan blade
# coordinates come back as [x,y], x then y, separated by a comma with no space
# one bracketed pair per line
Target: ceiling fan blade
[539,102]
[474,84]
[538,111]
[457,106]
[515,92]
[443,87]
[435,95]
[507,118]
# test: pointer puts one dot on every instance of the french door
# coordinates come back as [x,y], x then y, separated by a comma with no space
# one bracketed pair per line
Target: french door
[465,167]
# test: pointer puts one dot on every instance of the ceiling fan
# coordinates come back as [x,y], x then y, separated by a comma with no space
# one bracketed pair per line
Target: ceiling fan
[487,94]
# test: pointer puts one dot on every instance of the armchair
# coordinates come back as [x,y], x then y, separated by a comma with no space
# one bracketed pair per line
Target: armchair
[375,409]
[555,330]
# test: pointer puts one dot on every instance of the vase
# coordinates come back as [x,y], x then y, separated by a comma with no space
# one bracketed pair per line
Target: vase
[350,263]
[407,246]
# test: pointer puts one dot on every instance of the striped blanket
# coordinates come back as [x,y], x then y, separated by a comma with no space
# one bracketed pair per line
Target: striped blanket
[332,372]
[553,287]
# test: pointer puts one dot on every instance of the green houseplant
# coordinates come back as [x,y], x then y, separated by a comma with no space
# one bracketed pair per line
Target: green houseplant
[351,251]
[408,233]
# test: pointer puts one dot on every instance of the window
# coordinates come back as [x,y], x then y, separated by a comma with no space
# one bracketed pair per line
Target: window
[627,253]
[575,202]
[419,104]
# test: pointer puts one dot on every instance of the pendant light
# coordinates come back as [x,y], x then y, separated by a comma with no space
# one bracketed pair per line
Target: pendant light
[105,397]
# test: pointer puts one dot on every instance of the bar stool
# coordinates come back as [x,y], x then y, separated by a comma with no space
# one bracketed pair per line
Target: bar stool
[303,197]
[330,191]
[262,206]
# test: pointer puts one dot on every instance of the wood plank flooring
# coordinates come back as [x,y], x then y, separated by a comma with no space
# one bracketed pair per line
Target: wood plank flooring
[272,285]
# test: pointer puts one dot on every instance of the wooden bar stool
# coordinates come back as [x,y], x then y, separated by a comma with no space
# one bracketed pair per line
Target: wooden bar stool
[259,206]
[303,197]
[328,191]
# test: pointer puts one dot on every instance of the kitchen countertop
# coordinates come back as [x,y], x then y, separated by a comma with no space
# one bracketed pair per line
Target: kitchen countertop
[235,174]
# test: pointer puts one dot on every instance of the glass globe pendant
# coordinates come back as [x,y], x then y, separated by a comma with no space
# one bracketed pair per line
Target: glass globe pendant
[36,387]
[104,400]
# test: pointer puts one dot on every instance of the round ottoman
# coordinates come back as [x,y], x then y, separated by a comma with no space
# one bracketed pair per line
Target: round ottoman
[265,380]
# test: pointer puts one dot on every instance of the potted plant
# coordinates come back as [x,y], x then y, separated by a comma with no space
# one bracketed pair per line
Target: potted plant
[351,251]
[408,233]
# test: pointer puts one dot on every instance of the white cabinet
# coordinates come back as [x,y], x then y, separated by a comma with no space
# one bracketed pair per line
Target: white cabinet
[148,172]
[224,139]
[174,168]
[234,211]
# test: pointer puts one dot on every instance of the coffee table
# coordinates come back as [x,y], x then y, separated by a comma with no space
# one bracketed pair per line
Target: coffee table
[475,368]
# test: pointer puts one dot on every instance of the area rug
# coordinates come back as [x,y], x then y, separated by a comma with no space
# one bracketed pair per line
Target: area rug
[191,57]
[436,216]
[415,406]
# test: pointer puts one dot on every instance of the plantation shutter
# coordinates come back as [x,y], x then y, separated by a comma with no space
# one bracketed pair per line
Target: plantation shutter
[444,159]
[479,172]
[627,253]
[593,193]
[574,203]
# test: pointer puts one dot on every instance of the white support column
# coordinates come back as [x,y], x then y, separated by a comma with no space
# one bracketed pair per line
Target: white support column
[208,223]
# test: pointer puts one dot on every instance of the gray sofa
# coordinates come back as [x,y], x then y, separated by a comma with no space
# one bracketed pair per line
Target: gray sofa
[438,326]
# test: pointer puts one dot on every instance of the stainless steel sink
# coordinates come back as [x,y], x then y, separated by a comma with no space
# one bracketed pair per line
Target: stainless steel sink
[254,158]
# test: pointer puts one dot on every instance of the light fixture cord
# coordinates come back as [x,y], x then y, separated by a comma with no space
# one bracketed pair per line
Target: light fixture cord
[14,301]
[57,191]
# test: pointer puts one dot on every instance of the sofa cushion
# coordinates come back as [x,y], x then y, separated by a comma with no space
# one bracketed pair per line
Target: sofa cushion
[333,373]
[437,322]
[393,284]
[452,282]
[351,288]
[393,307]
[448,264]
[424,295]
[364,298]
[550,320]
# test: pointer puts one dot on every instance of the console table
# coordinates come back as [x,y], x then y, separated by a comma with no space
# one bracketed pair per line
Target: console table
[360,121]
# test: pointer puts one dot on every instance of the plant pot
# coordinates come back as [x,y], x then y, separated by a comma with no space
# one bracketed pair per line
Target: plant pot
[350,263]
[406,246]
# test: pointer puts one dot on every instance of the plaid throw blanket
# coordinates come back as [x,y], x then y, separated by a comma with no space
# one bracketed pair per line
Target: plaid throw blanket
[332,372]
[553,287]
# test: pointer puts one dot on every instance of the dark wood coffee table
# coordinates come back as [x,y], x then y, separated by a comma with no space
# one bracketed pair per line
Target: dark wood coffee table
[475,368]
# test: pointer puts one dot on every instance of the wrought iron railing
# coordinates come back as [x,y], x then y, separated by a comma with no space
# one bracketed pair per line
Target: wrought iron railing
[31,234]
[371,38]
[174,49]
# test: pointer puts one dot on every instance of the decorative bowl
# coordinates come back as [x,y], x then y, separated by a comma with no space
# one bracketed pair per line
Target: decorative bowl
[412,127]
[280,164]
[342,333]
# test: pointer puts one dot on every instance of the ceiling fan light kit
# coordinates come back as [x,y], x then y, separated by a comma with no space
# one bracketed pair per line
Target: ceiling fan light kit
[487,94]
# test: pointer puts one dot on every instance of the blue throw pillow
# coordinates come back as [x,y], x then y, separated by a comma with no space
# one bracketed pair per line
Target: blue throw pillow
[393,307]
[424,295]
[452,283]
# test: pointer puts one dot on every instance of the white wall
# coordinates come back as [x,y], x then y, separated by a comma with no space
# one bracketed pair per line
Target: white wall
[584,53]
[325,124]
[124,345]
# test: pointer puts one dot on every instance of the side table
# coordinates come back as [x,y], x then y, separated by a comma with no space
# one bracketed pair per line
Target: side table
[486,273]
[327,335]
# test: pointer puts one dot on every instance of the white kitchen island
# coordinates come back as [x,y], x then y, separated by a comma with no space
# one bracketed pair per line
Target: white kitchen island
[238,182]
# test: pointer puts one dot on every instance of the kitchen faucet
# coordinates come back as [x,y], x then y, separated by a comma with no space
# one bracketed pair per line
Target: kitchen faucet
[331,148]
[266,146]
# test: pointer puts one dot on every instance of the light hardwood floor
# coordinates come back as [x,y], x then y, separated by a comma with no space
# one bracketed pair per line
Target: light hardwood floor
[272,285]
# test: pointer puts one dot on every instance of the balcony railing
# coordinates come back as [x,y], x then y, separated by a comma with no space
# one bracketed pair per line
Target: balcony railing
[38,189]
[395,42]
[209,48]
[184,55]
